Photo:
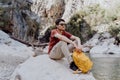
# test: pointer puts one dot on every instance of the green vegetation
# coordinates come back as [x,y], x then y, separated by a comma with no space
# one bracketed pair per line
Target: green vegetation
[52,27]
[4,1]
[4,18]
[82,24]
[79,27]
[114,29]
[94,15]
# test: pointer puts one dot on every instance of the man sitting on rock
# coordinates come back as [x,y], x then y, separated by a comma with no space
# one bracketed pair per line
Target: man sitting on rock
[62,43]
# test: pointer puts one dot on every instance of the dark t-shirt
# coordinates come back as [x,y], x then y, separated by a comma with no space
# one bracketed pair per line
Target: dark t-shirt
[54,40]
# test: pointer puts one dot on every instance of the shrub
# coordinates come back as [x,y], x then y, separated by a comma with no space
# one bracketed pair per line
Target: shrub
[114,30]
[79,27]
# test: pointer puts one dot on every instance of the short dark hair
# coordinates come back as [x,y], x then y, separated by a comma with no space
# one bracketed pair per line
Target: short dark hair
[58,21]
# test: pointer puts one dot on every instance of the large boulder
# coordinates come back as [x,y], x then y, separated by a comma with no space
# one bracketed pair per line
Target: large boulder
[12,53]
[12,48]
[43,68]
[102,44]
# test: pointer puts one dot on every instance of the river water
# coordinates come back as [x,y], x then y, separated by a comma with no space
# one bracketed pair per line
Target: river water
[106,68]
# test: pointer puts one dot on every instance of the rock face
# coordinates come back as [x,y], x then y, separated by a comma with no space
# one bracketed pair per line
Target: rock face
[18,20]
[43,68]
[70,6]
[49,11]
[25,21]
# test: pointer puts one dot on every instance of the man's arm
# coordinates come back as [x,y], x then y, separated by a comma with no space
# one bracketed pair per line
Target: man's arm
[63,38]
[77,39]
[79,46]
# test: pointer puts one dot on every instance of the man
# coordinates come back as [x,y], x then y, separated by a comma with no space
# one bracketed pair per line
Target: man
[62,43]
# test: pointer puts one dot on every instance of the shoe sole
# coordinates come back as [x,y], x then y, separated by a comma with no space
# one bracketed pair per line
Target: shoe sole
[77,72]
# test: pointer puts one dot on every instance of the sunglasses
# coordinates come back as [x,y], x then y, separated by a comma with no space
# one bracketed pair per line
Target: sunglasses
[62,24]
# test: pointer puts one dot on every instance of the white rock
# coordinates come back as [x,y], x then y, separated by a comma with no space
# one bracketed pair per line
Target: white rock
[12,53]
[102,28]
[114,49]
[99,49]
[11,47]
[43,68]
[106,35]
[45,50]
[93,41]
[86,49]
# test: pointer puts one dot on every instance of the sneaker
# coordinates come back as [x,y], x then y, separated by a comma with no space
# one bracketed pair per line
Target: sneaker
[73,66]
[77,72]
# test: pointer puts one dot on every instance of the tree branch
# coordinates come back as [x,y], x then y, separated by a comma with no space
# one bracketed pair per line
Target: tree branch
[30,44]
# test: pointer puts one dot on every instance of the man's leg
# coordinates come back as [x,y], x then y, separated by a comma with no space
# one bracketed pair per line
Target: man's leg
[72,64]
[60,50]
[56,52]
[67,54]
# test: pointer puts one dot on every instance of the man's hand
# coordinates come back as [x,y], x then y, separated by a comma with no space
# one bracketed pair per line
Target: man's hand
[77,48]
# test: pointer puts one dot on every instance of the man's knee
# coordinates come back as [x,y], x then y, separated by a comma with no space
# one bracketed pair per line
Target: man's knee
[63,43]
[56,57]
[76,41]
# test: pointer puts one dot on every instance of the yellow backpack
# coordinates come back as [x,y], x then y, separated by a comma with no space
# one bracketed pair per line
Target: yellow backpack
[82,61]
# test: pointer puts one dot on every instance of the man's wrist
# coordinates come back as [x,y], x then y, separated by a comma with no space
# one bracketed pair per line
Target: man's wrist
[72,42]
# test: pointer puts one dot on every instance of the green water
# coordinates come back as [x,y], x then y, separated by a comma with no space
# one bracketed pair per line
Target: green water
[106,68]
